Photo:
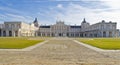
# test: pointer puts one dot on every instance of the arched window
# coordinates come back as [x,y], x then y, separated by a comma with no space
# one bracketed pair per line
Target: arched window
[104,34]
[12,25]
[10,33]
[4,33]
[110,34]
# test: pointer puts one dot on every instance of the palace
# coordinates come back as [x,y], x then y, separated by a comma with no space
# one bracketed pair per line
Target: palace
[60,29]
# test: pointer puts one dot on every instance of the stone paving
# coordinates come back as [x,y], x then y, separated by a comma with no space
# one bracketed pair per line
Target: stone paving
[57,51]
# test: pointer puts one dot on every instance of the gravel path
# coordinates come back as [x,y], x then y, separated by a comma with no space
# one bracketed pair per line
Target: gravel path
[58,51]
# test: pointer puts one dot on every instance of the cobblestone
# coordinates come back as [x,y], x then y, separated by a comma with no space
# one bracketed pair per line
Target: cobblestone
[58,51]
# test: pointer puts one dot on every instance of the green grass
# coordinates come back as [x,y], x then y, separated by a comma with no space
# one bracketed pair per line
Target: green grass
[17,43]
[103,43]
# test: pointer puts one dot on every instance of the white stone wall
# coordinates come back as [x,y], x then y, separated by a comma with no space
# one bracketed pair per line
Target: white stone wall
[28,29]
[18,29]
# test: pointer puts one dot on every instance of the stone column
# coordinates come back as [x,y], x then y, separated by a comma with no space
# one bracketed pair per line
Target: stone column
[84,34]
[13,33]
[107,33]
[74,34]
[79,34]
[50,34]
[18,33]
[101,34]
[113,34]
[40,34]
[7,33]
[55,34]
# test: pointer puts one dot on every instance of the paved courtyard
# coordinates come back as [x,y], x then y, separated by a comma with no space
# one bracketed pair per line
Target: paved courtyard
[58,51]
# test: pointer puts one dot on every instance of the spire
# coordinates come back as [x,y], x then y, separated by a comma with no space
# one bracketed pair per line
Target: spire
[84,21]
[35,20]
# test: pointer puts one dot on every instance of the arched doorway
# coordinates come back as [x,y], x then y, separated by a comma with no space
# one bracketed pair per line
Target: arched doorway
[110,34]
[0,32]
[60,34]
[10,33]
[85,35]
[67,34]
[81,35]
[104,34]
[91,35]
[95,35]
[52,35]
[4,33]
[16,33]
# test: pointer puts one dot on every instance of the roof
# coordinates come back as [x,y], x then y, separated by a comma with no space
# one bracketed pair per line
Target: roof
[44,26]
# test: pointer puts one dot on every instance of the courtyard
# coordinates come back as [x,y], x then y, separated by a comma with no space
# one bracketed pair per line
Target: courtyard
[59,51]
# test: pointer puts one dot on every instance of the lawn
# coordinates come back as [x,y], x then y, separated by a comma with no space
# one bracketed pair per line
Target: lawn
[103,43]
[17,43]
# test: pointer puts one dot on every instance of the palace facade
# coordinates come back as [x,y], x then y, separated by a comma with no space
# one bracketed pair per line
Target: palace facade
[60,29]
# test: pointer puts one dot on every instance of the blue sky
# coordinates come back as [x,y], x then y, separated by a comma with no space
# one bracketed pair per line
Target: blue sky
[48,11]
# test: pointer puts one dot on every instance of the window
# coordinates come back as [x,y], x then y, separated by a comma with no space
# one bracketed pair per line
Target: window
[102,26]
[12,25]
[7,26]
[108,26]
[113,26]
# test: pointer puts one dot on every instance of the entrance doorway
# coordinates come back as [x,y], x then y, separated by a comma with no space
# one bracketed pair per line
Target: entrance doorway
[110,34]
[10,33]
[16,33]
[60,34]
[104,34]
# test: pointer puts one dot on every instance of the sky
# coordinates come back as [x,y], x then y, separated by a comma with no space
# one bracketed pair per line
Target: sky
[70,11]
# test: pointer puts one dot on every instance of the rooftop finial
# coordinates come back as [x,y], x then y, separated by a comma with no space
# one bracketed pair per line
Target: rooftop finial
[84,21]
[103,21]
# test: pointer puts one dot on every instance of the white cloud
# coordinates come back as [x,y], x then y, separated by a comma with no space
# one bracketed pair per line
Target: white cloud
[15,16]
[60,6]
[114,4]
[74,13]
